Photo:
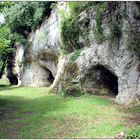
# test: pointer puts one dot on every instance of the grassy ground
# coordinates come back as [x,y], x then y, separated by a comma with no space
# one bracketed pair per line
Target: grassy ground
[33,113]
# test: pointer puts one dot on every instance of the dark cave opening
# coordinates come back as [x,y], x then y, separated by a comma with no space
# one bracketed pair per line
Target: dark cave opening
[13,80]
[100,81]
[50,77]
[10,75]
[107,79]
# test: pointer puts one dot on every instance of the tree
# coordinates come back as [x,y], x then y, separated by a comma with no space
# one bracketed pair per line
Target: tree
[4,47]
[23,17]
[4,40]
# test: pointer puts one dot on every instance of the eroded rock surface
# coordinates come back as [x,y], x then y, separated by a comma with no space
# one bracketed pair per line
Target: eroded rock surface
[112,55]
[41,55]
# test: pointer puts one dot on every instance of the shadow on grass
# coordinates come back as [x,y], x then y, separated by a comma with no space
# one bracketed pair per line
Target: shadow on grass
[3,86]
[15,110]
[11,106]
[8,87]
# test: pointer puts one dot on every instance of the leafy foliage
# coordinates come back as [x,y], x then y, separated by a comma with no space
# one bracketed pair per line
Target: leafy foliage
[98,31]
[75,55]
[78,7]
[4,40]
[27,15]
[70,29]
[23,17]
[5,4]
[15,37]
[4,47]
[70,34]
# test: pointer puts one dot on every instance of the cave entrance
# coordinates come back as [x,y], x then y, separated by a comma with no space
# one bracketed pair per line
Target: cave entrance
[101,81]
[13,80]
[50,77]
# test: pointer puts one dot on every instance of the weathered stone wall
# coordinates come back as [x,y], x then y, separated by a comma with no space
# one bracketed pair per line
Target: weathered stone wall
[113,55]
[41,55]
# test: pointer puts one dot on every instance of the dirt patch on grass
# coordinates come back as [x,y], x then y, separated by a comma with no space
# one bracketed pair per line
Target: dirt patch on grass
[110,97]
[69,126]
[9,122]
[12,127]
[14,130]
[132,115]
[134,120]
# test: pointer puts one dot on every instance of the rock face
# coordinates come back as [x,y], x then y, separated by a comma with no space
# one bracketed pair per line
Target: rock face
[117,65]
[121,66]
[41,55]
[108,67]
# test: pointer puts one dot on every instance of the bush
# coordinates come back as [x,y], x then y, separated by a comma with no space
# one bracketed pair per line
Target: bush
[73,90]
[70,34]
[98,31]
[75,55]
[78,7]
[15,37]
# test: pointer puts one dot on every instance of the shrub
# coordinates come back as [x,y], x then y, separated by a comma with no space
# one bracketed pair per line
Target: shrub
[15,37]
[70,28]
[70,34]
[72,90]
[78,7]
[75,55]
[98,31]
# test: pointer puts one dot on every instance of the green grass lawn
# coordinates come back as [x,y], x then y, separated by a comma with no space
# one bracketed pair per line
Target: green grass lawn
[33,113]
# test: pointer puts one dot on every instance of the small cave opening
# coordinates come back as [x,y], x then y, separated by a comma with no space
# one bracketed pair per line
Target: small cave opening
[13,80]
[102,79]
[108,79]
[50,77]
[10,74]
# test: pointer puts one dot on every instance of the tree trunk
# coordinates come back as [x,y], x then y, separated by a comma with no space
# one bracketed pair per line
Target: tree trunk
[2,68]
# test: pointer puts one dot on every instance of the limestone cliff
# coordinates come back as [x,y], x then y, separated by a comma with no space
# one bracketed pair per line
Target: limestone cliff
[96,64]
[40,58]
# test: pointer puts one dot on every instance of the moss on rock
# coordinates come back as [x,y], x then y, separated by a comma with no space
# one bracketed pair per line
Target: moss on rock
[68,83]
